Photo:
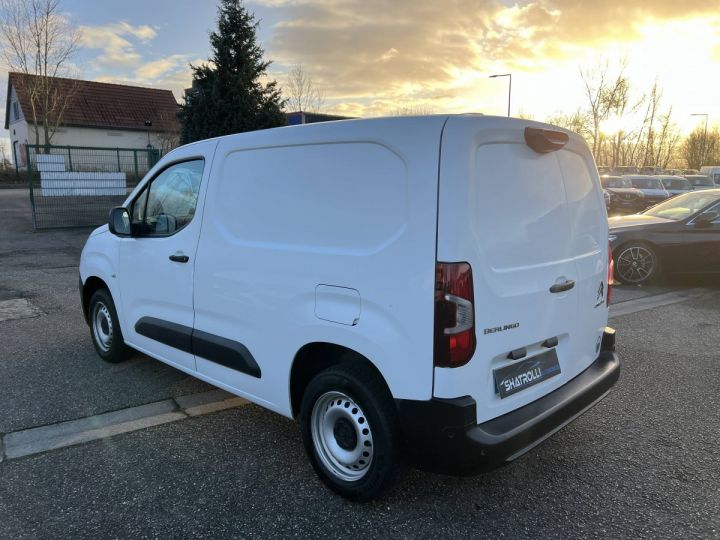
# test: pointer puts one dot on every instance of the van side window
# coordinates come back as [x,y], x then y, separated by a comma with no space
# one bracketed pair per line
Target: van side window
[167,203]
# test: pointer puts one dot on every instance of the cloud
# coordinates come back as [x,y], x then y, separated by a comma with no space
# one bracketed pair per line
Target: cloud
[162,66]
[371,54]
[114,41]
[171,73]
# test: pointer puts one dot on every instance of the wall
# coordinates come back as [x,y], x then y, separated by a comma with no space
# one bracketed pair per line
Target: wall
[74,136]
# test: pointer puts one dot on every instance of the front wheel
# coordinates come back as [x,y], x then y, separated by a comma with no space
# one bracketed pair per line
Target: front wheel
[105,328]
[349,430]
[636,263]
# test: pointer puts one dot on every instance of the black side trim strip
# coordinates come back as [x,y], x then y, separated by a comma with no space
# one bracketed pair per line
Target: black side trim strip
[171,334]
[223,351]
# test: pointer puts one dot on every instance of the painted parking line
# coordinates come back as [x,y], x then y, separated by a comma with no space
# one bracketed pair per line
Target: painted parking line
[658,300]
[44,438]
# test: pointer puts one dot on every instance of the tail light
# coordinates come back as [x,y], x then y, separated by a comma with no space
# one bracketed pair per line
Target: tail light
[611,272]
[454,314]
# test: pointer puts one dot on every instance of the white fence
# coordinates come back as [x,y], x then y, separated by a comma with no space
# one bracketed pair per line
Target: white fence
[55,180]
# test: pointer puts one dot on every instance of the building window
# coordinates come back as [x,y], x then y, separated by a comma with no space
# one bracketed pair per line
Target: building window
[16,110]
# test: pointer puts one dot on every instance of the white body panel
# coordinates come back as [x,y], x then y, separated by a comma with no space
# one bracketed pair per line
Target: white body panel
[524,221]
[293,212]
[330,233]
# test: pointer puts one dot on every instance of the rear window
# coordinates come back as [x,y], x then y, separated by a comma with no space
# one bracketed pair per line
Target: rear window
[647,183]
[520,200]
[701,181]
[677,183]
[616,183]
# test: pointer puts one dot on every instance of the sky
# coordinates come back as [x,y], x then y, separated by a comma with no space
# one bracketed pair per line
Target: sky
[375,57]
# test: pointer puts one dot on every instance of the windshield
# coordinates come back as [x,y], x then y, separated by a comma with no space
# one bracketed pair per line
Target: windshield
[701,181]
[676,183]
[647,183]
[616,183]
[682,206]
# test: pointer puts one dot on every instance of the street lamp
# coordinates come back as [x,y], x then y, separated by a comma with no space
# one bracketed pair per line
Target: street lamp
[148,125]
[704,136]
[509,75]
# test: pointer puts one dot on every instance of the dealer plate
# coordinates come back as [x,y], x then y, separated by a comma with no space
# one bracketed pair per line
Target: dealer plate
[521,375]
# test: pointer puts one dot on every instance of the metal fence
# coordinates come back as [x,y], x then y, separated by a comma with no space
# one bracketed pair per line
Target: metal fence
[76,186]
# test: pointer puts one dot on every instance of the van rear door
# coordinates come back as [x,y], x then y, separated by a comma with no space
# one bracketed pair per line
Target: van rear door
[533,227]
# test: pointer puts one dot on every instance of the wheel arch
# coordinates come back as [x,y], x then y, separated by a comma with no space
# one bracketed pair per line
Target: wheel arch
[312,358]
[91,285]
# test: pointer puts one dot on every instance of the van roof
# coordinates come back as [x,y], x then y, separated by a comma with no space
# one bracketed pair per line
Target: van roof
[416,121]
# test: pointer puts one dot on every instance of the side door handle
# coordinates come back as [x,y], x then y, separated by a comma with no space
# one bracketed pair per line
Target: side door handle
[562,287]
[179,257]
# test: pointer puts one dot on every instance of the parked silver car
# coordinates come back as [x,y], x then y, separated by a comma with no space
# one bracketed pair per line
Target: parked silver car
[676,185]
[700,181]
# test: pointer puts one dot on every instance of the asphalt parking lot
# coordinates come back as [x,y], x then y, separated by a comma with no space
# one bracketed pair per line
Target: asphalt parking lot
[643,463]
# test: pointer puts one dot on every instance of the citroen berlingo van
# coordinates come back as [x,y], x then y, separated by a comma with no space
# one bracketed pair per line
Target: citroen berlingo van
[424,290]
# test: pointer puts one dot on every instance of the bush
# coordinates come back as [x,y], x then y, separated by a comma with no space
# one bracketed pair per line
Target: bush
[8,176]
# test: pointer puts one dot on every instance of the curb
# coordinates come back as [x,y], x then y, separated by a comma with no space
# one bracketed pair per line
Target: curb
[658,300]
[40,439]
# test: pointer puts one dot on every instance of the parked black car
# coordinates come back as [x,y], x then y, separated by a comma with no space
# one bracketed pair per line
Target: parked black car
[678,236]
[623,196]
[651,186]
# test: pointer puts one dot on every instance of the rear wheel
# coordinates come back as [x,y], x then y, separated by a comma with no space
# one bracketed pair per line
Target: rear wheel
[105,328]
[636,263]
[349,429]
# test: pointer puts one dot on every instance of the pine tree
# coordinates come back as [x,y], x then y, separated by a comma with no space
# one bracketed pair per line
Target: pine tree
[227,95]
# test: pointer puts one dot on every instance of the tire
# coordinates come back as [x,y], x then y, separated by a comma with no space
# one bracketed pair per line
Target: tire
[105,330]
[347,412]
[636,263]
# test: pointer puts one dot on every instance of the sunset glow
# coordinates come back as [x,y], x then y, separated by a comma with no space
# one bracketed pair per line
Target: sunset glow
[376,57]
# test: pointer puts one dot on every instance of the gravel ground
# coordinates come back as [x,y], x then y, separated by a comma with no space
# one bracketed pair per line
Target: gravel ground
[643,463]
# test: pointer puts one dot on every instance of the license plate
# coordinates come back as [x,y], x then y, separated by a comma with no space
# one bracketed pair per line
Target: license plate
[521,375]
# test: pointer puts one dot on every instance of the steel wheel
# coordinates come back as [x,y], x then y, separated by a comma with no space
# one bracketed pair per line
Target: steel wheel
[102,326]
[342,436]
[635,264]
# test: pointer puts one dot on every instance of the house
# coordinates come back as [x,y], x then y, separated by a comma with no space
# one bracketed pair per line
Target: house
[97,115]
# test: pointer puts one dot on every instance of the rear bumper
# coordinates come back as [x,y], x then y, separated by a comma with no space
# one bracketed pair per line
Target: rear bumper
[441,434]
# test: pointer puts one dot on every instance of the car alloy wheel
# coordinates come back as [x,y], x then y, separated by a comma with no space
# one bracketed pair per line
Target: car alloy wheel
[635,264]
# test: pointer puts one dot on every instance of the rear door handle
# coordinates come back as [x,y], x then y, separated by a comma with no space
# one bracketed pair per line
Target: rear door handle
[562,287]
[179,257]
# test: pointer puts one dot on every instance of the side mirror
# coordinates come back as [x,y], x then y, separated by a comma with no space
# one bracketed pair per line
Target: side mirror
[119,222]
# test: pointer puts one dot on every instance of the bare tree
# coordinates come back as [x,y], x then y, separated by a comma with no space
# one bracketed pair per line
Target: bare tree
[301,92]
[697,143]
[168,138]
[605,92]
[412,110]
[577,121]
[39,43]
[4,153]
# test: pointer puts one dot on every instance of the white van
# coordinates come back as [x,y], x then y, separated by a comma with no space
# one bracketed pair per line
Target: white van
[713,171]
[423,289]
